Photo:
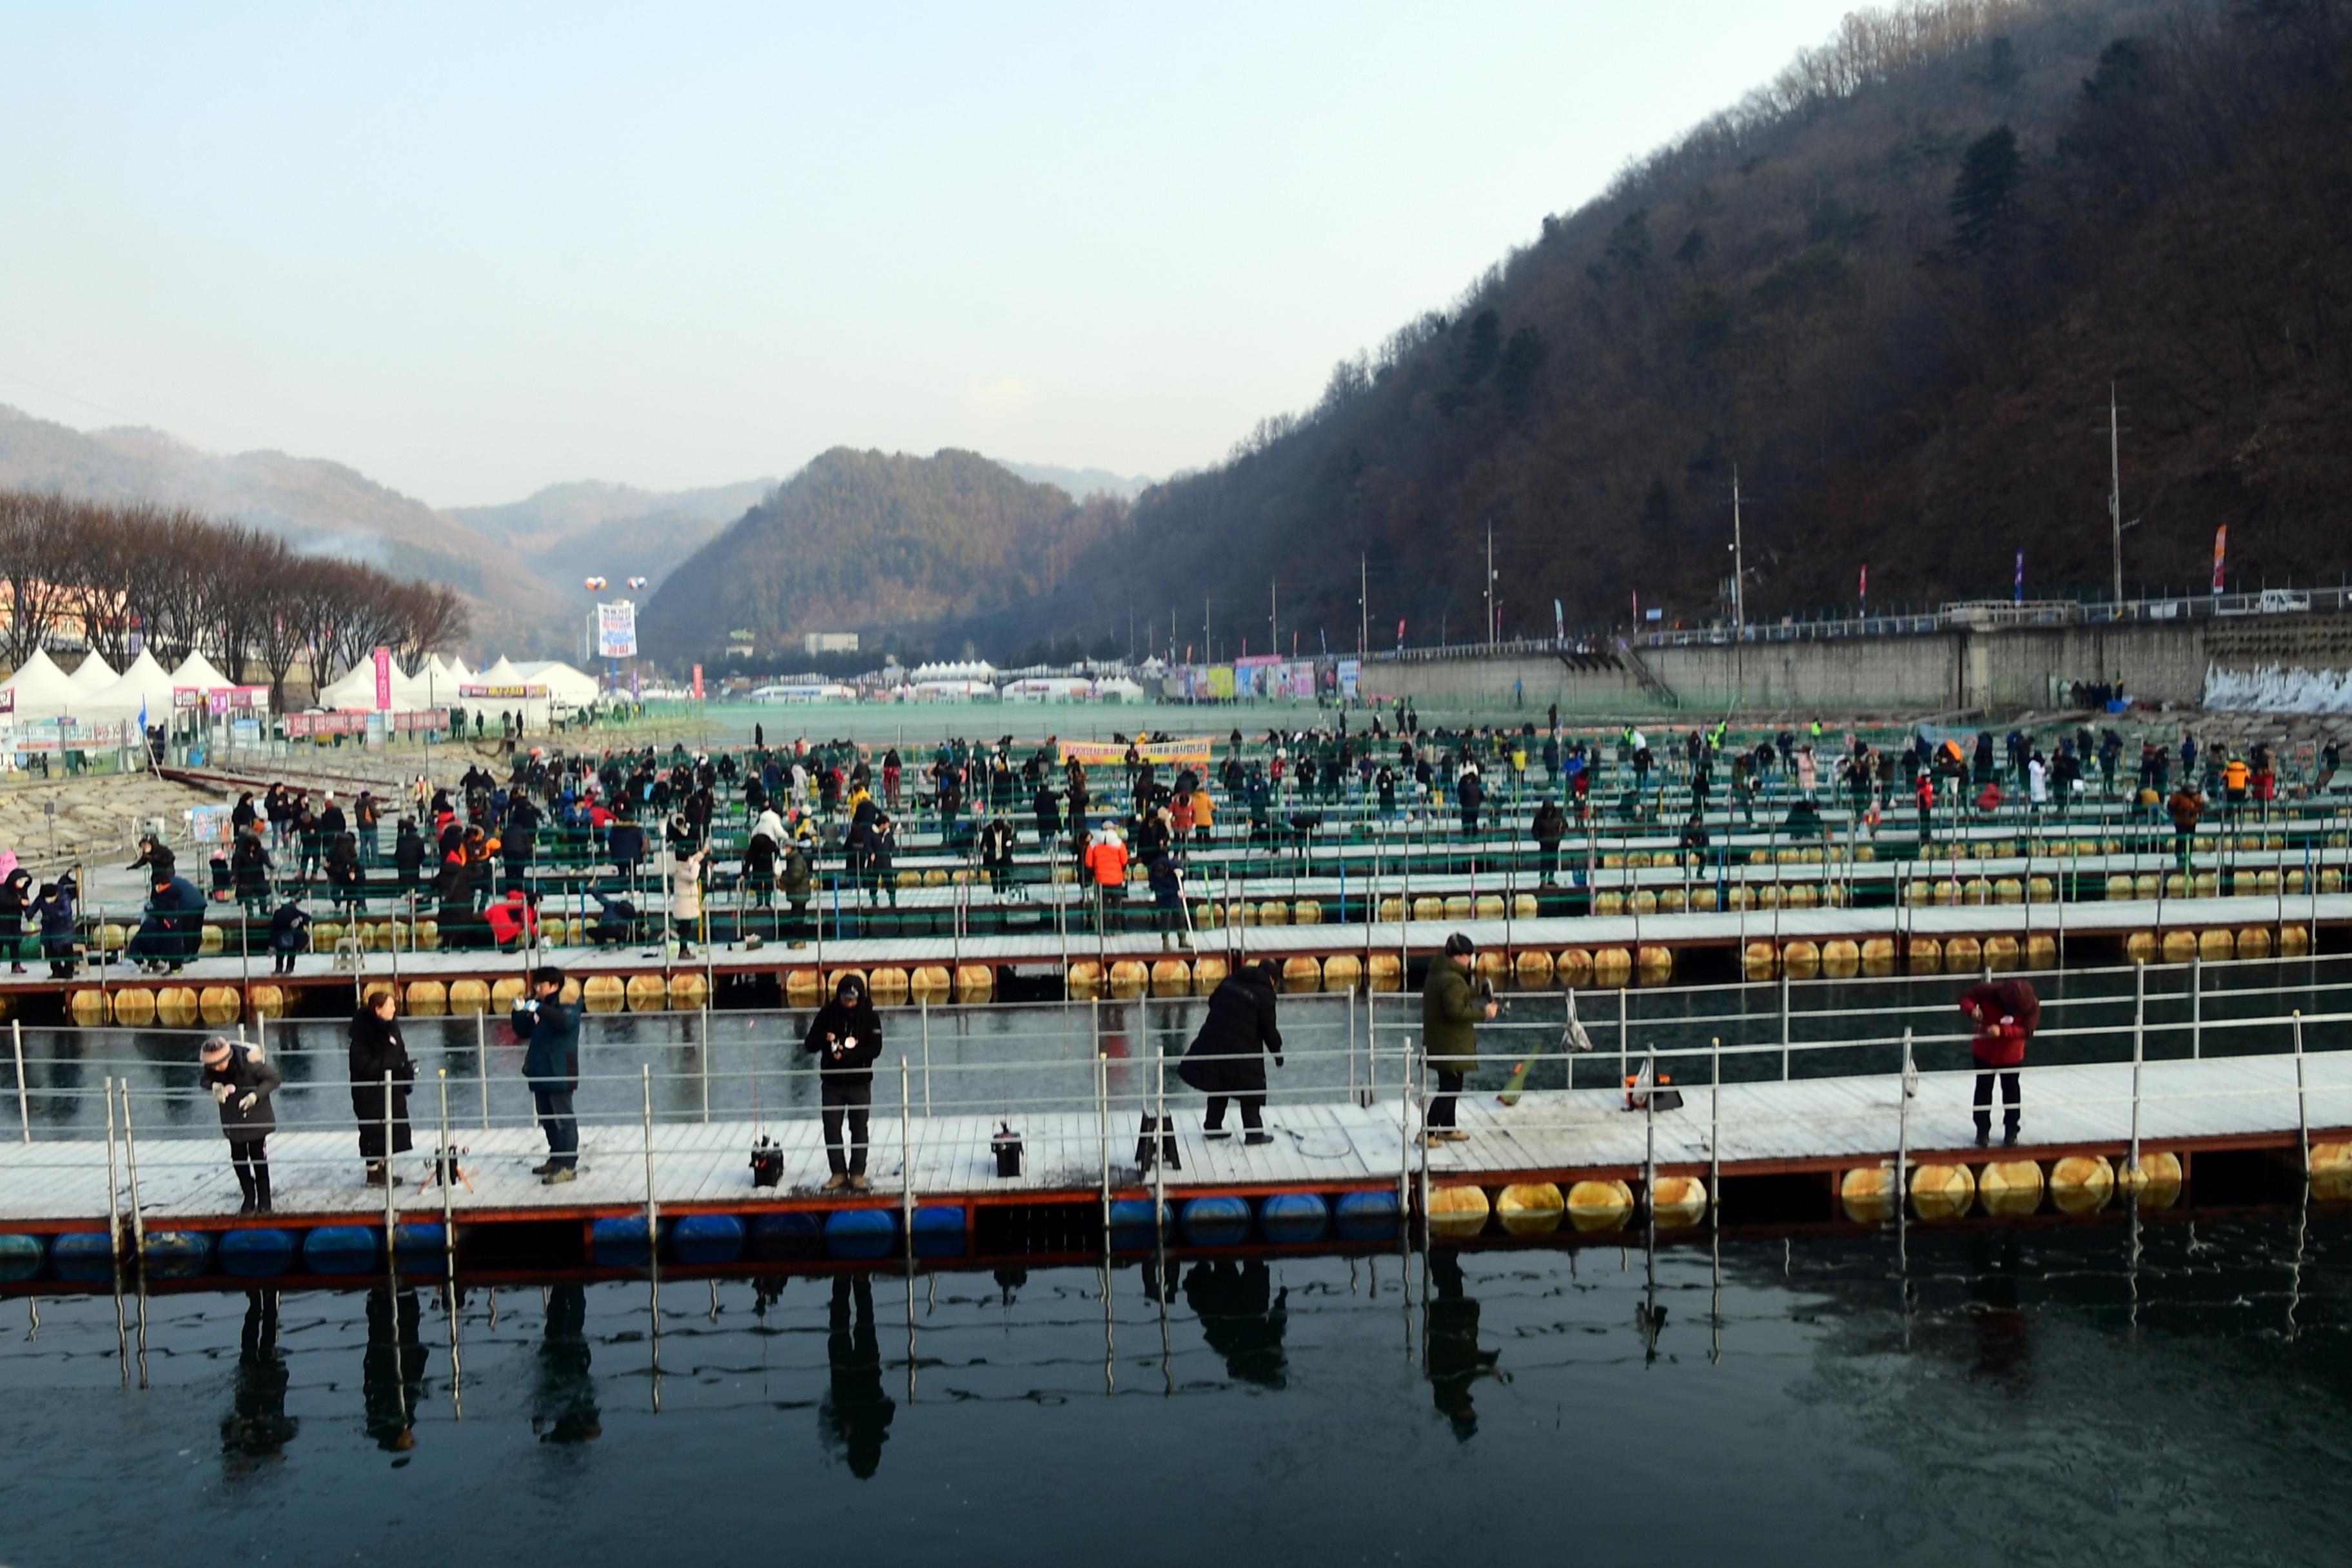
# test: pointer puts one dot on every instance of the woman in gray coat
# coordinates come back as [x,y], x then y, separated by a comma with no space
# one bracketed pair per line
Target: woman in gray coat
[241,1081]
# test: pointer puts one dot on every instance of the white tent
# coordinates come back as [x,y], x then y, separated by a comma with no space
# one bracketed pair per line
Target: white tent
[563,683]
[93,674]
[198,673]
[503,673]
[442,665]
[145,683]
[41,689]
[356,691]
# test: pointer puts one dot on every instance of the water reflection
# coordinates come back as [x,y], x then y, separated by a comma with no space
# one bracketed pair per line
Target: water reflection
[1242,1318]
[256,1428]
[391,1371]
[854,1418]
[1451,1330]
[563,1396]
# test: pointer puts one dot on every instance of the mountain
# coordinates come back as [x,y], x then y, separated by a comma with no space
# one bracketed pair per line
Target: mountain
[569,532]
[320,506]
[1892,288]
[1083,481]
[873,542]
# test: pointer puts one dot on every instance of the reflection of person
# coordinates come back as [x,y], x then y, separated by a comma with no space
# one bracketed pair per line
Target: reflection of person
[392,1373]
[1242,1318]
[564,1405]
[854,1414]
[1450,1336]
[257,1427]
[2003,1350]
[1226,1060]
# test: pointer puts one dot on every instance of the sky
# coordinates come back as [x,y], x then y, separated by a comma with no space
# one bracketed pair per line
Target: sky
[473,250]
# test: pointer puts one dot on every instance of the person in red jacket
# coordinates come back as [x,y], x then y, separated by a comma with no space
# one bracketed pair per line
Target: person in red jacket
[2005,1012]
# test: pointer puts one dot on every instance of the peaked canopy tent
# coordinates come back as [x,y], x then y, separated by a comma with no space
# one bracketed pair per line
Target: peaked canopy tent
[198,673]
[563,683]
[93,674]
[42,690]
[145,684]
[356,691]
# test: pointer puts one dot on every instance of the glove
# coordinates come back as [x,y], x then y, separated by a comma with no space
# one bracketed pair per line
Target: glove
[221,1092]
[247,1104]
[1277,1059]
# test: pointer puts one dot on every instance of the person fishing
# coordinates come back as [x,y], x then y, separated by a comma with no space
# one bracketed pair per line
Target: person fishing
[378,1053]
[845,1037]
[1225,1061]
[2005,1012]
[241,1079]
[1452,1004]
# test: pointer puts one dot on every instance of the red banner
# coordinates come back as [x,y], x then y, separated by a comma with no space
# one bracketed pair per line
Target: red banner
[2221,553]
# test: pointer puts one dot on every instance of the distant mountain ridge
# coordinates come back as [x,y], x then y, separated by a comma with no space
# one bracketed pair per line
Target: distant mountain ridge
[875,542]
[571,531]
[1082,482]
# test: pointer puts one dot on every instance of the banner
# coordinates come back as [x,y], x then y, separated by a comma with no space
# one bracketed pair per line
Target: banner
[616,630]
[2017,591]
[1559,625]
[1218,680]
[69,735]
[185,697]
[383,679]
[2221,553]
[7,701]
[698,683]
[1351,674]
[1193,754]
[1862,588]
[510,693]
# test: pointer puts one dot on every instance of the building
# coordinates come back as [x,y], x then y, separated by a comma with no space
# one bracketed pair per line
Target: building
[828,642]
[739,644]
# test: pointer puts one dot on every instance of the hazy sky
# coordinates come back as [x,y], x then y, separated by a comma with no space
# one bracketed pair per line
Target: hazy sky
[476,250]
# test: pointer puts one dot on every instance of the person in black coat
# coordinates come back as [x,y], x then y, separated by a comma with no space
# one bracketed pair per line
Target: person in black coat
[171,933]
[377,1049]
[241,1081]
[1223,1060]
[248,871]
[14,898]
[408,856]
[53,908]
[845,1037]
[289,933]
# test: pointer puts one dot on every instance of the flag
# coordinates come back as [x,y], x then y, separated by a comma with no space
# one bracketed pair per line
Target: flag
[1400,635]
[1559,623]
[2221,553]
[1862,588]
[2018,591]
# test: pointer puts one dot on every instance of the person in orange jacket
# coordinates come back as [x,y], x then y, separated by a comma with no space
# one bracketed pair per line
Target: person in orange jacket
[1107,860]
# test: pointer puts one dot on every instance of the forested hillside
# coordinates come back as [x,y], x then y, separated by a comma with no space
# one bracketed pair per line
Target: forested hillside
[871,542]
[1893,288]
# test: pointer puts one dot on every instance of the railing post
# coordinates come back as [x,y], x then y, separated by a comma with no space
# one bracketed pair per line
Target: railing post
[445,1172]
[388,1189]
[1715,1124]
[653,1205]
[2196,1007]
[1622,1034]
[113,1194]
[1165,1134]
[704,1014]
[1784,1023]
[24,1099]
[139,1222]
[927,1054]
[482,1061]
[1902,1129]
[905,1157]
[2301,1104]
[2139,1052]
[1102,1132]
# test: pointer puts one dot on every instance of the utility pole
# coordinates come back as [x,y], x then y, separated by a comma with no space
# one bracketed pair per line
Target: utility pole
[1273,622]
[1208,653]
[1738,565]
[2115,523]
[1363,605]
[1490,587]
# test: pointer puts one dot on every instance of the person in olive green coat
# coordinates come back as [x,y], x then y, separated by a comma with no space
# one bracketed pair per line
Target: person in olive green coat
[1451,1006]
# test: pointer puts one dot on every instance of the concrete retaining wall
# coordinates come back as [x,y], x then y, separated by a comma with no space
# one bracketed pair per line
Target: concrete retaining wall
[1997,669]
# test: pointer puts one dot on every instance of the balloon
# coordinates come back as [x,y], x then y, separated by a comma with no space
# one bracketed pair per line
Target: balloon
[639,582]
[595,585]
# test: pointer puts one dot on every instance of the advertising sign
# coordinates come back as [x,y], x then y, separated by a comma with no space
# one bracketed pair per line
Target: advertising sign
[1191,753]
[698,683]
[616,630]
[383,679]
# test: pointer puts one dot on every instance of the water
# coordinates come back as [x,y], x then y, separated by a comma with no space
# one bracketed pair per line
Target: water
[2023,1394]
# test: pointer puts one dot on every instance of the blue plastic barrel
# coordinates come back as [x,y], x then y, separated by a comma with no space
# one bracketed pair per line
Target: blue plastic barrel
[939,1230]
[257,1254]
[860,1233]
[1216,1222]
[706,1239]
[1134,1215]
[622,1241]
[787,1233]
[82,1255]
[1365,1216]
[342,1249]
[177,1254]
[20,1256]
[429,1236]
[1293,1216]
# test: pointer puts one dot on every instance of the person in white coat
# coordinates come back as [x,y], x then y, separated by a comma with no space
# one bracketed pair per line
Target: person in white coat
[686,897]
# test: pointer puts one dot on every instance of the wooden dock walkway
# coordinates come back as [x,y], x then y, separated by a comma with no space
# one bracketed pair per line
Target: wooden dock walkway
[1827,1125]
